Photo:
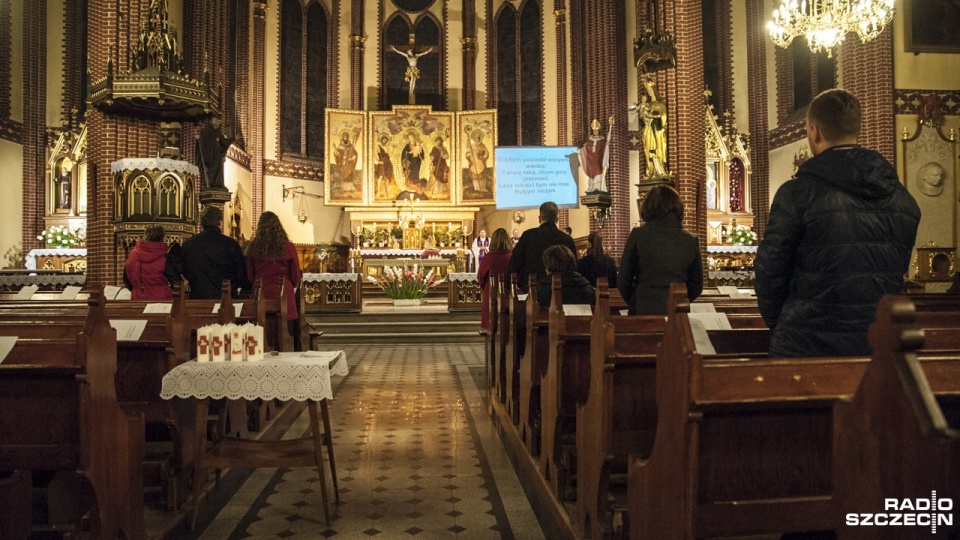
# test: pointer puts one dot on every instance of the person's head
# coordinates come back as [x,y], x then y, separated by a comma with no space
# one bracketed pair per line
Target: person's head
[269,240]
[833,118]
[568,230]
[483,233]
[596,244]
[153,233]
[412,137]
[499,241]
[549,212]
[559,259]
[660,201]
[211,216]
[438,141]
[384,139]
[516,233]
[215,122]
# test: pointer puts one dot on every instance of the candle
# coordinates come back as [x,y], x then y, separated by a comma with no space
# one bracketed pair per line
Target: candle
[449,226]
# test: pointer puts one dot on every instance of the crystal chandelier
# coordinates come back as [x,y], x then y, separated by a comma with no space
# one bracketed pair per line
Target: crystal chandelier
[826,22]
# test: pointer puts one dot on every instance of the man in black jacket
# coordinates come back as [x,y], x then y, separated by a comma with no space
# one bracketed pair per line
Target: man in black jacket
[209,257]
[527,257]
[840,236]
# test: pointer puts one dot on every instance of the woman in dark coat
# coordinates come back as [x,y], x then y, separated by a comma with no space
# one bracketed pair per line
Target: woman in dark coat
[494,263]
[270,256]
[657,254]
[146,272]
[574,288]
[596,264]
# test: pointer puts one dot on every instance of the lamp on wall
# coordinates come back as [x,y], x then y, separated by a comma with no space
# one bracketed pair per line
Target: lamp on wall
[299,191]
[826,22]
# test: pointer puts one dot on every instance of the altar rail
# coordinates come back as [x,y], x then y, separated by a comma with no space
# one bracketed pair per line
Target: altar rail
[331,293]
[463,292]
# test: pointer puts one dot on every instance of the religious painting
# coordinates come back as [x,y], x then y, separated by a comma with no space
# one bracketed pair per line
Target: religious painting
[932,26]
[344,172]
[411,155]
[477,136]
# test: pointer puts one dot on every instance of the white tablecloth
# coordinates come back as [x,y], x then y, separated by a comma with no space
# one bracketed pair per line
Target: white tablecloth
[462,276]
[30,261]
[329,276]
[731,249]
[369,252]
[296,375]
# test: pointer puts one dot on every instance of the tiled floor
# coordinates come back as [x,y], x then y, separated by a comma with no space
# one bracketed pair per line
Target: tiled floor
[417,457]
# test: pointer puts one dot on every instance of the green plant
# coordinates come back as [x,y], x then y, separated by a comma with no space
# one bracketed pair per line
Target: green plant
[441,237]
[381,236]
[405,283]
[14,257]
[456,236]
[58,236]
[397,233]
[742,235]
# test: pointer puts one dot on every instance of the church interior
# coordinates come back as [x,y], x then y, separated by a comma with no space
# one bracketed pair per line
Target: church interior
[378,132]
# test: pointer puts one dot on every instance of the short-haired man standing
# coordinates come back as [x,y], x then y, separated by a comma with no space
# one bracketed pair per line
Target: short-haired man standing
[527,258]
[209,257]
[839,237]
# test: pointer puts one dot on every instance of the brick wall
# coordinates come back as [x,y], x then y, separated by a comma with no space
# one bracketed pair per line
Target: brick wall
[111,137]
[73,58]
[563,126]
[6,50]
[867,71]
[758,125]
[34,120]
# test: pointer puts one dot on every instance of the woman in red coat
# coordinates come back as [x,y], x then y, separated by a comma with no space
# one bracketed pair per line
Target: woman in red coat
[144,270]
[270,256]
[494,263]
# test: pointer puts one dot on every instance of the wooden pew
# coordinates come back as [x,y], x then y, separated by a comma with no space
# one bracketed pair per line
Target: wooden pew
[743,444]
[59,411]
[490,339]
[532,363]
[513,352]
[568,344]
[899,436]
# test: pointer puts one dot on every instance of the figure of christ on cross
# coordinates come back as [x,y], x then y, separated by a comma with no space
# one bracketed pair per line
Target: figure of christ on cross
[413,72]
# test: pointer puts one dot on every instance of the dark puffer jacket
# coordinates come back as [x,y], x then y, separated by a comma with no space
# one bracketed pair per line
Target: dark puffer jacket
[840,237]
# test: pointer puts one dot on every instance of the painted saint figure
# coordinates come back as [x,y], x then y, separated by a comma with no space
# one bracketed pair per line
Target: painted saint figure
[595,156]
[477,178]
[440,168]
[346,157]
[383,168]
[411,159]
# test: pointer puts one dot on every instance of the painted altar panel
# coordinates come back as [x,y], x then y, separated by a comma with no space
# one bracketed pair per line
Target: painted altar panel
[346,155]
[411,155]
[477,136]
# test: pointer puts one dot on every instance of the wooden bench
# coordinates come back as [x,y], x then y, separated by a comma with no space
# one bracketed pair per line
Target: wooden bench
[743,443]
[59,411]
[531,360]
[899,436]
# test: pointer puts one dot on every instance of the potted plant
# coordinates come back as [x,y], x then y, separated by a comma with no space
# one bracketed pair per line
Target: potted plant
[442,238]
[742,235]
[406,286]
[456,237]
[366,237]
[380,237]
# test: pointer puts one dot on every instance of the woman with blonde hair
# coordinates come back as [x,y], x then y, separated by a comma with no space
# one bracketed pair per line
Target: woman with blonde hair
[270,256]
[494,263]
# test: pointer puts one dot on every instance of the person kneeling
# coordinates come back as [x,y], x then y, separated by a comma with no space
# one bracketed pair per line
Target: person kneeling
[575,288]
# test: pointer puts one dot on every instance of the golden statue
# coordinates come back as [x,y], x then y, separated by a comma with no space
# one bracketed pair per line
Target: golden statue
[653,118]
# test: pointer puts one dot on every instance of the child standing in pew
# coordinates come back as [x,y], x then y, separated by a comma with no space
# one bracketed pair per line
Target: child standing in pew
[559,260]
[270,256]
[147,272]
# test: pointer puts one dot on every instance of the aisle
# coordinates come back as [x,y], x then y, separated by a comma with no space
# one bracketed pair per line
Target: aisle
[417,457]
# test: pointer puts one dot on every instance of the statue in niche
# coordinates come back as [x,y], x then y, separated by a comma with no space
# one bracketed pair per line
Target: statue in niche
[595,156]
[212,146]
[653,119]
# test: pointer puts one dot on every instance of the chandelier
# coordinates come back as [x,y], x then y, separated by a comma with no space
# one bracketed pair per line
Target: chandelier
[826,22]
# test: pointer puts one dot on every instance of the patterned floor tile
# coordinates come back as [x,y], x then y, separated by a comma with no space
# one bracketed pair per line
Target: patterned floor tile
[417,457]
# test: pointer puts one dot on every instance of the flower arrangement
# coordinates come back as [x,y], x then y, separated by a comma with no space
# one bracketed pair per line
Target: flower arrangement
[381,236]
[405,283]
[742,235]
[456,236]
[58,236]
[442,238]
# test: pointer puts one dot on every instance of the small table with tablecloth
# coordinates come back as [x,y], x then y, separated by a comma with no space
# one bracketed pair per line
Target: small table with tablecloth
[301,376]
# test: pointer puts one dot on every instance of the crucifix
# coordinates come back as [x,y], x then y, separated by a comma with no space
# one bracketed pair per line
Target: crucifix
[412,53]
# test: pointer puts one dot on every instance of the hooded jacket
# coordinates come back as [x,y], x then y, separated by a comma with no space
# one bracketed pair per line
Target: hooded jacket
[145,271]
[840,237]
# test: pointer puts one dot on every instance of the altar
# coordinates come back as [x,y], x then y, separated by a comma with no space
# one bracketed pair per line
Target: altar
[441,266]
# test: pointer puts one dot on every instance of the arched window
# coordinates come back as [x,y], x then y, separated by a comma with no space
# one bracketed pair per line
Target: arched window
[140,195]
[169,197]
[519,66]
[304,46]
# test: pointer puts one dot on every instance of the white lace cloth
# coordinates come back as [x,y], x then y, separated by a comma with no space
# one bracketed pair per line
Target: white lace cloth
[367,252]
[297,375]
[43,280]
[462,276]
[329,276]
[30,261]
[731,249]
[740,275]
[149,164]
